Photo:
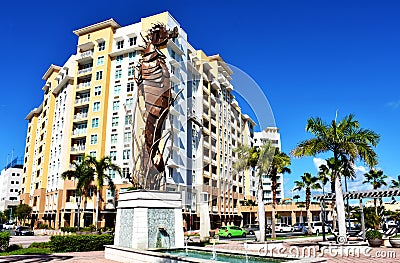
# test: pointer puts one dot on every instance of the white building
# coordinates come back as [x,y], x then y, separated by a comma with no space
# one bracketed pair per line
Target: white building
[272,134]
[10,180]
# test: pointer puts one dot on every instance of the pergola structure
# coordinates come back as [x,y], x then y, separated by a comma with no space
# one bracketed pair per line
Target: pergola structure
[378,193]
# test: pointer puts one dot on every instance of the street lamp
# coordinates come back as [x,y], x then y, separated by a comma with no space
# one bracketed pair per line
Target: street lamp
[79,211]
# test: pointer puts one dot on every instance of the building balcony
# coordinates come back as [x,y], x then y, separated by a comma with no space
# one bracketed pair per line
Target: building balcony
[82,100]
[215,209]
[174,79]
[215,84]
[206,158]
[85,55]
[80,116]
[85,71]
[79,132]
[78,148]
[84,85]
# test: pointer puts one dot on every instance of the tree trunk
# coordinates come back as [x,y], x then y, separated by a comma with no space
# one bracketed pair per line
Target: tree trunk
[341,214]
[274,186]
[308,195]
[261,211]
[97,208]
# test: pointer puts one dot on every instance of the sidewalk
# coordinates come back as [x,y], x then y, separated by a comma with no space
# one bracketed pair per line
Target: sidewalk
[73,257]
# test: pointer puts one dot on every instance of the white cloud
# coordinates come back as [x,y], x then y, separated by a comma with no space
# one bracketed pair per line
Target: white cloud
[393,104]
[318,162]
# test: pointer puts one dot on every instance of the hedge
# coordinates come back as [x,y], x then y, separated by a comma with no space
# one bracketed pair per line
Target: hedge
[80,243]
[69,229]
[4,240]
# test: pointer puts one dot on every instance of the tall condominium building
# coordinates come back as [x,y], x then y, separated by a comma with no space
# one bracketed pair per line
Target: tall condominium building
[272,134]
[10,180]
[88,108]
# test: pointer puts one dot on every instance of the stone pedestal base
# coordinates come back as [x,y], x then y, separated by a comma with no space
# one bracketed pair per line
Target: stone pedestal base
[149,219]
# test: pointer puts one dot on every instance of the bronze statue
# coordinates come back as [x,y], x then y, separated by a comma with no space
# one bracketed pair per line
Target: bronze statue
[153,81]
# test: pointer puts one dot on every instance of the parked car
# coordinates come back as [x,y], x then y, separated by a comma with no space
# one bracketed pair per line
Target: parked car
[283,228]
[298,227]
[250,228]
[24,231]
[9,226]
[316,228]
[231,231]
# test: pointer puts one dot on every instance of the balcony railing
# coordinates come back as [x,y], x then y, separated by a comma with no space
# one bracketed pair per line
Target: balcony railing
[85,70]
[86,54]
[79,132]
[80,116]
[84,85]
[78,148]
[82,100]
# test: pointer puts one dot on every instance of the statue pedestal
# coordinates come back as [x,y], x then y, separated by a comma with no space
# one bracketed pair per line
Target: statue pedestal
[149,219]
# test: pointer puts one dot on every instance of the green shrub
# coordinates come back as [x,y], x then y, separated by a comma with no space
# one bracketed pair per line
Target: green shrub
[372,234]
[69,229]
[40,245]
[4,240]
[42,226]
[80,243]
[14,247]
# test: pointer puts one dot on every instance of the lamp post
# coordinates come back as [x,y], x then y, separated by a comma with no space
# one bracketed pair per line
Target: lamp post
[79,211]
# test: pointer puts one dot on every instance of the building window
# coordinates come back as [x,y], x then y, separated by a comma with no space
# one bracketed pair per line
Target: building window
[116,105]
[126,154]
[102,46]
[93,139]
[119,59]
[127,137]
[110,192]
[93,154]
[96,106]
[118,73]
[117,89]
[113,155]
[131,55]
[111,173]
[99,75]
[132,41]
[128,119]
[125,172]
[95,122]
[120,44]
[114,138]
[100,61]
[130,86]
[115,121]
[97,90]
[131,71]
[129,103]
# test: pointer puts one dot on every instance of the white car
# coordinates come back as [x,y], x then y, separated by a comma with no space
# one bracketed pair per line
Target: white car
[316,228]
[283,228]
[8,226]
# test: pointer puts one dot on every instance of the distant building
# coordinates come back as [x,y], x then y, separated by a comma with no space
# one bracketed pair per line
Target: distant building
[272,134]
[10,181]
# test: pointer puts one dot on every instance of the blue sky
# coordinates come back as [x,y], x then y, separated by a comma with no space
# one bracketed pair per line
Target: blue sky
[311,58]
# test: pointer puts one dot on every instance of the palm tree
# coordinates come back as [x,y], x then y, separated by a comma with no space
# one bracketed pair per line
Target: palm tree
[308,182]
[100,167]
[280,163]
[377,179]
[396,183]
[85,176]
[251,157]
[346,140]
[297,197]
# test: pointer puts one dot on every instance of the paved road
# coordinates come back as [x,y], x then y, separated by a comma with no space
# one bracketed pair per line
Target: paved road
[252,237]
[25,241]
